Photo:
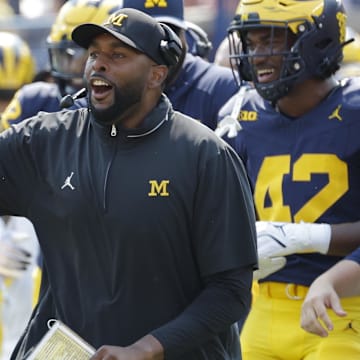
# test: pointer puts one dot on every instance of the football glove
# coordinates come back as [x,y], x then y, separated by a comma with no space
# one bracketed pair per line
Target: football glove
[228,126]
[281,239]
[14,260]
[267,266]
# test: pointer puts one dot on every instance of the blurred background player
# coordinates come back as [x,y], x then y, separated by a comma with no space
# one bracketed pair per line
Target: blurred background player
[201,87]
[17,66]
[67,61]
[18,242]
[197,40]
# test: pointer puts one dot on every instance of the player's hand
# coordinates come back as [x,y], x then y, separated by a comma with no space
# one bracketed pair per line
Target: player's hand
[281,239]
[14,260]
[228,126]
[314,316]
[267,266]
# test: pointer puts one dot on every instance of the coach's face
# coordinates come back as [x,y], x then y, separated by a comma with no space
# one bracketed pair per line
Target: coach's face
[117,79]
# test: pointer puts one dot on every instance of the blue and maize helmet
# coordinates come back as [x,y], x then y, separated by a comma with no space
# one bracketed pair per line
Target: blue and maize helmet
[67,59]
[319,29]
[17,66]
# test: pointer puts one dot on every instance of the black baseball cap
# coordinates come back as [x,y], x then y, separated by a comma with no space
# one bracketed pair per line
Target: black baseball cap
[133,27]
[166,11]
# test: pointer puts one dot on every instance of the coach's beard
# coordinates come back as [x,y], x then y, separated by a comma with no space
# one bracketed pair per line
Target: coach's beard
[122,103]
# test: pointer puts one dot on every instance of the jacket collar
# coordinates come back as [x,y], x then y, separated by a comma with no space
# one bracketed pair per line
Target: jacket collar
[153,121]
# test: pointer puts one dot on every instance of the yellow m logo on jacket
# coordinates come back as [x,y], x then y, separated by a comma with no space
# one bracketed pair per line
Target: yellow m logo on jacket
[157,189]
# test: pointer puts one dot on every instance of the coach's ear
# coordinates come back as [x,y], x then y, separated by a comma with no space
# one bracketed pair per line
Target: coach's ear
[158,76]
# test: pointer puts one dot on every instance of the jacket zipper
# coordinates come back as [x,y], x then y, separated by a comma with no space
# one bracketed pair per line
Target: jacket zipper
[113,132]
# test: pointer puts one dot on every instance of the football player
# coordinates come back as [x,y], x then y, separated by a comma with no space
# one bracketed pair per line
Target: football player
[17,66]
[297,132]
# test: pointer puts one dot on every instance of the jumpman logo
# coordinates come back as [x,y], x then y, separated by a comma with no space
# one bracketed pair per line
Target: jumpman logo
[336,114]
[68,182]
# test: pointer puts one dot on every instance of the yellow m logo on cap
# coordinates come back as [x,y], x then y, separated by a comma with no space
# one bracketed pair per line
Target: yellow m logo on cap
[152,3]
[157,189]
[116,19]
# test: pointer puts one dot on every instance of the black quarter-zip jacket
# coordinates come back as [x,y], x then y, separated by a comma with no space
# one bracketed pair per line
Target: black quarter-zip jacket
[130,222]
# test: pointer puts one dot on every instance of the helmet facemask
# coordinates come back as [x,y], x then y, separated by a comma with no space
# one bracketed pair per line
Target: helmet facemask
[67,61]
[280,47]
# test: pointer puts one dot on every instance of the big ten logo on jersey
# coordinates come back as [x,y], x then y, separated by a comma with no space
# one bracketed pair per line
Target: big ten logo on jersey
[246,115]
[158,189]
[152,3]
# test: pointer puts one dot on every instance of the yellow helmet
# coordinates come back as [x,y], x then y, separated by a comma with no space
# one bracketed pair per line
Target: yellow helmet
[67,60]
[17,66]
[319,27]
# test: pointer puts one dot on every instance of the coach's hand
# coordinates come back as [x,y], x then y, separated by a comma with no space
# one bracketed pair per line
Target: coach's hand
[146,348]
[281,239]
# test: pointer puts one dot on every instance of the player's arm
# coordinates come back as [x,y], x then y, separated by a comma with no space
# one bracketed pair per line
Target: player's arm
[281,239]
[342,280]
[344,238]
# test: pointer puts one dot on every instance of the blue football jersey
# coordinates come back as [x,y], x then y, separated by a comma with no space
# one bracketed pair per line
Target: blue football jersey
[303,169]
[29,100]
